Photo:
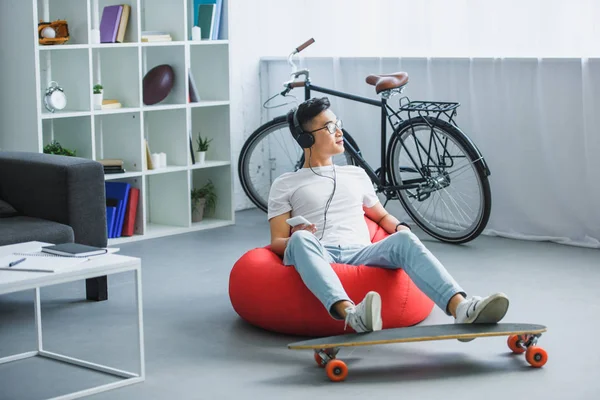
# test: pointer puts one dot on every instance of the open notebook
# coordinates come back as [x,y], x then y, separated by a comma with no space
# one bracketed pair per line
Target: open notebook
[37,263]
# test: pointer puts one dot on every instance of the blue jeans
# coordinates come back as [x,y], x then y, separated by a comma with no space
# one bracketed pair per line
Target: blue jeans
[403,250]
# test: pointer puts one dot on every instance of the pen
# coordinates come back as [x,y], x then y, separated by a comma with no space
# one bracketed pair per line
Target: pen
[12,264]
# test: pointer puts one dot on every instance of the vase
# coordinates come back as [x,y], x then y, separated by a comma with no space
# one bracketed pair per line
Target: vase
[98,101]
[200,157]
[198,211]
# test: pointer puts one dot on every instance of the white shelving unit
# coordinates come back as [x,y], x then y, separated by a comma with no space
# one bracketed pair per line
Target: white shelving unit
[164,207]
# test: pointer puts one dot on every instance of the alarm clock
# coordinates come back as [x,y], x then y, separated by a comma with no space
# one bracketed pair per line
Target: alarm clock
[55,98]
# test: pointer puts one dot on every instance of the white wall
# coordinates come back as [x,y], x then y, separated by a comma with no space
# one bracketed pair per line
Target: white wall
[396,28]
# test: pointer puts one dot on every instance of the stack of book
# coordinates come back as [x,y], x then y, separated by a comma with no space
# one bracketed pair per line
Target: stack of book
[156,36]
[121,208]
[111,103]
[113,23]
[112,166]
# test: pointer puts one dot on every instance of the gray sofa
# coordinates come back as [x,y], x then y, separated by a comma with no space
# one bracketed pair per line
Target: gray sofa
[54,199]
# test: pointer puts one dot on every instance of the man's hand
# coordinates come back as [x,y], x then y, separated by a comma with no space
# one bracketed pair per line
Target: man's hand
[312,228]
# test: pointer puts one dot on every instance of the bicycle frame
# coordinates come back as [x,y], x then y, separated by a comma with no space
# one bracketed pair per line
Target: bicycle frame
[382,179]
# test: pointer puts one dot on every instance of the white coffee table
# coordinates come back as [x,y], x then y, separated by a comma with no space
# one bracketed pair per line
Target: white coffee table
[15,281]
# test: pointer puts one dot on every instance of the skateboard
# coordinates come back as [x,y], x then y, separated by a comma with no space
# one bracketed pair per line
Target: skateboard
[522,338]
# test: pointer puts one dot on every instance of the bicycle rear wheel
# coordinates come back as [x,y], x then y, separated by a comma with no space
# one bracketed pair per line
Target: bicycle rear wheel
[269,152]
[447,192]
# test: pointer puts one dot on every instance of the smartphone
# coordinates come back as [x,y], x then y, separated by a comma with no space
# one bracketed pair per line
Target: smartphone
[297,220]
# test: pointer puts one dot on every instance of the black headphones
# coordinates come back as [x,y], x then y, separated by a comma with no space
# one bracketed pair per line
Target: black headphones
[304,139]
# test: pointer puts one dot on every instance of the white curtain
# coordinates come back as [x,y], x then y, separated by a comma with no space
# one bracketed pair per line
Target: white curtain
[535,121]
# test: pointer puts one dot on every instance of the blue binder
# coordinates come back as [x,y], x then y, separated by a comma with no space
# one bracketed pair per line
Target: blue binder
[118,191]
[110,220]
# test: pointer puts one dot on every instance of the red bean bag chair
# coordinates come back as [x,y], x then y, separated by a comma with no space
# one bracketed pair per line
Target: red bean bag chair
[268,294]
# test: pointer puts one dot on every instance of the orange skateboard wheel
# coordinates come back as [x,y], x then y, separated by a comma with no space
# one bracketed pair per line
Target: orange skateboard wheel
[336,370]
[513,341]
[319,360]
[536,356]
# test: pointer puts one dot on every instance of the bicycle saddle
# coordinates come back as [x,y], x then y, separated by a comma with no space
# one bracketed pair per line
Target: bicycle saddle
[387,81]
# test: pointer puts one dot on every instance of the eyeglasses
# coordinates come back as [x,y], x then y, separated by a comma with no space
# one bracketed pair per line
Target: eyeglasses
[331,126]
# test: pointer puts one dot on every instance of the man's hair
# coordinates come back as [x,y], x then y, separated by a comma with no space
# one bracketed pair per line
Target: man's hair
[307,111]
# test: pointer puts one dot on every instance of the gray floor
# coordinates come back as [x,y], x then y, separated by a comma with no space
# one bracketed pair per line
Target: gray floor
[198,348]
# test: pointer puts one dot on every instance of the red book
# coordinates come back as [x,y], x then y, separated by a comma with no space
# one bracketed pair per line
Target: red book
[131,212]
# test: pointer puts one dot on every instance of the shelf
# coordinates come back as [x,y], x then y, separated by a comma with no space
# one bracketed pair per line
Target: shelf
[72,133]
[210,164]
[208,42]
[162,44]
[114,45]
[121,84]
[209,66]
[209,104]
[165,170]
[221,179]
[119,136]
[138,225]
[168,199]
[212,123]
[165,16]
[170,126]
[131,32]
[121,110]
[61,47]
[70,70]
[174,56]
[112,177]
[64,114]
[75,12]
[165,131]
[161,107]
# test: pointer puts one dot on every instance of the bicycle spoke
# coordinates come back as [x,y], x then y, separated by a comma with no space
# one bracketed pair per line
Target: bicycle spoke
[453,203]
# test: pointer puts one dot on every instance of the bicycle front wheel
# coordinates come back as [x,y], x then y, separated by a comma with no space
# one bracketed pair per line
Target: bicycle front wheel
[269,152]
[445,187]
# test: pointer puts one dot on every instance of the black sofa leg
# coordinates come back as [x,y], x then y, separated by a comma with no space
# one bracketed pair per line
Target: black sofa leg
[97,288]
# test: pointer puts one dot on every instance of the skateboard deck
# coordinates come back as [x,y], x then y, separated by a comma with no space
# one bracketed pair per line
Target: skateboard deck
[522,338]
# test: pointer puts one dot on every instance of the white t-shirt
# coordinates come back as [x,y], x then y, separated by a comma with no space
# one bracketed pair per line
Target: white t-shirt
[305,193]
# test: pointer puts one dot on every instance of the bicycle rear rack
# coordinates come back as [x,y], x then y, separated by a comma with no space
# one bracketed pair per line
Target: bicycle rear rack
[428,109]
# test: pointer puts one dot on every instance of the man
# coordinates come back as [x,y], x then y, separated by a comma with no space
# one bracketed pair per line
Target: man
[335,200]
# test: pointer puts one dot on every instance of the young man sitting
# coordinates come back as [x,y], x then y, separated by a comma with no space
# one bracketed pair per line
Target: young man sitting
[335,200]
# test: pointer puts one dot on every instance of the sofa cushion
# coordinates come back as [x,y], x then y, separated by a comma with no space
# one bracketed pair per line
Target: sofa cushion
[6,210]
[21,229]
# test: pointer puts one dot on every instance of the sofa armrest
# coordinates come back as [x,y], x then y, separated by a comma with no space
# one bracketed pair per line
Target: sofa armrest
[68,190]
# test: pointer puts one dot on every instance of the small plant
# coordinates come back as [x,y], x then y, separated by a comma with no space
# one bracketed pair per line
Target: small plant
[98,88]
[207,192]
[203,143]
[55,148]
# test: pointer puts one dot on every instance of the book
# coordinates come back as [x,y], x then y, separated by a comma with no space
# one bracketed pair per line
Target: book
[123,23]
[131,212]
[109,24]
[108,162]
[110,103]
[74,250]
[206,20]
[193,89]
[119,192]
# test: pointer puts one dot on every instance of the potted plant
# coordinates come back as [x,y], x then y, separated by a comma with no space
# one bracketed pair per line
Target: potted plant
[98,96]
[55,148]
[203,198]
[202,149]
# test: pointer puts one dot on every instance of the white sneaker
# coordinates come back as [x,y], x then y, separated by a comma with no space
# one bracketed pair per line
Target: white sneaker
[366,315]
[488,310]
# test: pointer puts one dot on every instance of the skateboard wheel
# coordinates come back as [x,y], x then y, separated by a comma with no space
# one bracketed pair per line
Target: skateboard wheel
[319,360]
[513,344]
[536,356]
[336,370]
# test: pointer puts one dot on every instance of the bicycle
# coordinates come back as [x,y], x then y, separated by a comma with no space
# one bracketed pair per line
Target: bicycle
[419,166]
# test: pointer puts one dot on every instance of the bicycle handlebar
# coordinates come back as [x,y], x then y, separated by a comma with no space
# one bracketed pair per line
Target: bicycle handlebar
[305,45]
[297,84]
